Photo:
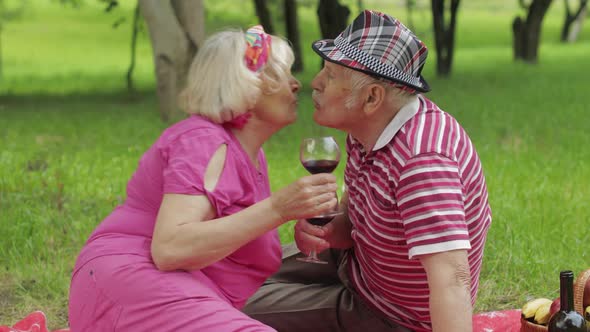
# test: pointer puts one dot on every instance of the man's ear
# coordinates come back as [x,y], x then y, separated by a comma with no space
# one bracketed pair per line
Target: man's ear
[374,98]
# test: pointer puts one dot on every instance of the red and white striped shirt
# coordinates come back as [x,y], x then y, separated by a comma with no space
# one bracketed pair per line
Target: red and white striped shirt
[421,190]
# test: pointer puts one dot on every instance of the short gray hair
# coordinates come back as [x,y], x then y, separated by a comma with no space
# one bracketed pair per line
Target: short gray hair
[359,81]
[221,87]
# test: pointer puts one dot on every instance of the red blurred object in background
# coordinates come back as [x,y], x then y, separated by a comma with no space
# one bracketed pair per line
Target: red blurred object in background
[555,306]
[34,322]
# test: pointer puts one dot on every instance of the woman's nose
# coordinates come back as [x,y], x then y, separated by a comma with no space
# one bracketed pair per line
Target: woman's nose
[295,85]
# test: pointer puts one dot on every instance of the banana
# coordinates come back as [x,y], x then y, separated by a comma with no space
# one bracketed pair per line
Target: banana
[531,307]
[542,315]
[587,313]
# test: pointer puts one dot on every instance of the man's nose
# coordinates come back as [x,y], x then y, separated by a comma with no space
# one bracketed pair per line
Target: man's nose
[315,83]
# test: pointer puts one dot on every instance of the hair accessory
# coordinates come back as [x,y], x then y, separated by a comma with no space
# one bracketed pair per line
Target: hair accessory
[257,49]
[381,46]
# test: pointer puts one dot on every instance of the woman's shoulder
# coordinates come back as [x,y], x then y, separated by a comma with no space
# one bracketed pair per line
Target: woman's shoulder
[194,128]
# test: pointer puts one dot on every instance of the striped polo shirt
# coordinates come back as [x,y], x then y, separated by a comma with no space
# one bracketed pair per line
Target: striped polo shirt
[421,190]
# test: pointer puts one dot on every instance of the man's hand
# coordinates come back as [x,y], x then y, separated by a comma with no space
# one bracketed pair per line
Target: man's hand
[309,237]
[338,233]
[335,234]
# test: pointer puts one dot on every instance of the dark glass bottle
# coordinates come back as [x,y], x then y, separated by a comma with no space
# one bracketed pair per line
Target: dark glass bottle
[566,319]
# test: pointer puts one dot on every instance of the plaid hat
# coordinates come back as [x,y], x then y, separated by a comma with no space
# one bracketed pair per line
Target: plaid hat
[378,45]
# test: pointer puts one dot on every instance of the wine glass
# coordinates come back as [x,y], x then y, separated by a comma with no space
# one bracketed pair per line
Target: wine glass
[319,155]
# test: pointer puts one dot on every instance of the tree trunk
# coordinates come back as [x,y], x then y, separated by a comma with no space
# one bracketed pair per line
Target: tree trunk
[293,33]
[1,69]
[191,15]
[333,18]
[518,37]
[444,36]
[134,29]
[570,19]
[410,5]
[176,29]
[527,32]
[577,25]
[263,15]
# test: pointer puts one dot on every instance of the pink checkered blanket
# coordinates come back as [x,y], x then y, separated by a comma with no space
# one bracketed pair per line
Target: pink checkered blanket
[494,321]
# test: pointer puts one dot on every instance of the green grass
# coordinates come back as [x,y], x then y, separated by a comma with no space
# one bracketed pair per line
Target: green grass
[70,138]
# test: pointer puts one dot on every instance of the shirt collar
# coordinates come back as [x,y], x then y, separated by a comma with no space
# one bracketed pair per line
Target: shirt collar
[405,113]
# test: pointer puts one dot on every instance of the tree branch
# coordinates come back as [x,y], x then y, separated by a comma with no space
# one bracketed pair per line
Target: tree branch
[583,4]
[567,8]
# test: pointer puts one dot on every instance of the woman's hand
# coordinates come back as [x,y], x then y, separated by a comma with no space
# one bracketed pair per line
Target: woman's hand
[308,196]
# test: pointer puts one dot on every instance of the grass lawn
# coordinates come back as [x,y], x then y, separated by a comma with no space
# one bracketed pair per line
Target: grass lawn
[70,138]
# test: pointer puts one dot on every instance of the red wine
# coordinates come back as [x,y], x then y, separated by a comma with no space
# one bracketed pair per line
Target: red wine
[320,221]
[320,166]
[566,319]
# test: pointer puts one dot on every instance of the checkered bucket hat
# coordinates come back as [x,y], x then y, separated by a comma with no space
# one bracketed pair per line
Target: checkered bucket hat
[378,45]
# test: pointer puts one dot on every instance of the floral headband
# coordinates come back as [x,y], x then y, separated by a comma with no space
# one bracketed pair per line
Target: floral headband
[255,57]
[257,48]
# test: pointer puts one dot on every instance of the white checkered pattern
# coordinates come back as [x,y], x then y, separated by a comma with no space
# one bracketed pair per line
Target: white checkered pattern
[379,45]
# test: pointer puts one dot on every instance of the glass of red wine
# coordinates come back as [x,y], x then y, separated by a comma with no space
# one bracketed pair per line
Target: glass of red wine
[319,155]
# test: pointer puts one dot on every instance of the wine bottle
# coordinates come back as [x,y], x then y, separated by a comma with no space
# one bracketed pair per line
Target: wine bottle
[566,319]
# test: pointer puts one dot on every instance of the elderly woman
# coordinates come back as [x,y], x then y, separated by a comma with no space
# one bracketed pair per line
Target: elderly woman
[197,234]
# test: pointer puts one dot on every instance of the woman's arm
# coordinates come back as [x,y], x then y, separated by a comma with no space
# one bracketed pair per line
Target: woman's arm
[181,239]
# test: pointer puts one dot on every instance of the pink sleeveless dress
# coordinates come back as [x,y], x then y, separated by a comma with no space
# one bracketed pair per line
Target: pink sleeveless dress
[115,284]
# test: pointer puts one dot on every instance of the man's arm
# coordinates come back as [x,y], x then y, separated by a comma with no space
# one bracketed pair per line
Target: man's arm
[449,281]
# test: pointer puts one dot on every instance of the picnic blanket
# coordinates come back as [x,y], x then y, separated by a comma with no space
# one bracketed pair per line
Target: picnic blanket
[495,321]
[34,322]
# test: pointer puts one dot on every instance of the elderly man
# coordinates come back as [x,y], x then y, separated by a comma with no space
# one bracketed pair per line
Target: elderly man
[407,252]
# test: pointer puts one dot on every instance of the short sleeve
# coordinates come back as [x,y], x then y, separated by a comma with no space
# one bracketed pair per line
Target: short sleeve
[431,203]
[187,158]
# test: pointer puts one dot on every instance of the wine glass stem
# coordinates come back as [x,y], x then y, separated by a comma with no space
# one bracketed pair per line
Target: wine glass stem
[313,255]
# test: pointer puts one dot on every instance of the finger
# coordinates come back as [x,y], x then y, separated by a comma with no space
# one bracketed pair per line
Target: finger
[327,205]
[306,242]
[326,196]
[308,230]
[328,229]
[312,202]
[322,178]
[323,245]
[326,187]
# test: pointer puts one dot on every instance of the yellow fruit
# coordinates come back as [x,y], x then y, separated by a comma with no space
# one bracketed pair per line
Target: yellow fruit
[543,314]
[531,307]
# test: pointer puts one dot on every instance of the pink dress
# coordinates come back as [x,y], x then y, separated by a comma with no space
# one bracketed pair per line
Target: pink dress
[115,284]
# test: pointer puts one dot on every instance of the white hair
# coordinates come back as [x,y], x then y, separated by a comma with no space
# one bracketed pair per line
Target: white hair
[359,81]
[221,87]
